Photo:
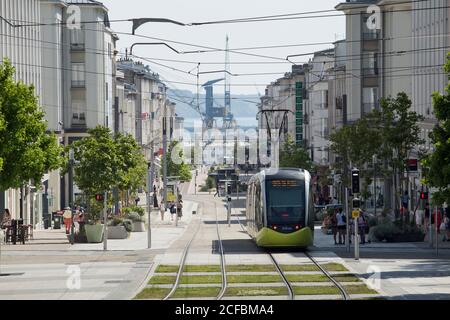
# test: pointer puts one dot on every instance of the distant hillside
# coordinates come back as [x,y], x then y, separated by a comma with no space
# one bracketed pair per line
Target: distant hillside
[242,106]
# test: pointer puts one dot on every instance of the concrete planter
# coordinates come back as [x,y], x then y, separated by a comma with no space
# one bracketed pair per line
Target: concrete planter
[117,232]
[139,227]
[94,233]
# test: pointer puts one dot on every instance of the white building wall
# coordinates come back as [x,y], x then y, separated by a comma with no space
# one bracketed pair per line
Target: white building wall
[397,68]
[431,41]
[22,46]
[52,66]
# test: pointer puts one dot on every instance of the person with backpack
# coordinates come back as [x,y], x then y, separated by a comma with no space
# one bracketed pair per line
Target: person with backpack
[341,226]
[444,227]
[173,209]
[362,223]
[334,226]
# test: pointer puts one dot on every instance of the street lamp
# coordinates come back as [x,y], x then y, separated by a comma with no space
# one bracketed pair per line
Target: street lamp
[139,22]
[151,170]
[71,204]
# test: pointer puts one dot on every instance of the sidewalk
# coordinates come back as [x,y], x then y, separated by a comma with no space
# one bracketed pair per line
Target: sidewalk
[163,233]
[399,271]
[49,268]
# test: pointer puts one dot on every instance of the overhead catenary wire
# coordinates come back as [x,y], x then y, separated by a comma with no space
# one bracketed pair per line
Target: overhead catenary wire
[280,17]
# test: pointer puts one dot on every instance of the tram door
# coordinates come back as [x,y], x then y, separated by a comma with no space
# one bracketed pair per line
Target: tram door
[258,206]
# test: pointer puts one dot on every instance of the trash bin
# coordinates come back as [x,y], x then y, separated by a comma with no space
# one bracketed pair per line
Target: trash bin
[57,222]
[47,221]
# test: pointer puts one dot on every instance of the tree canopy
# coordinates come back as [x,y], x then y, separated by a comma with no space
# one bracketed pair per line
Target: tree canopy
[437,164]
[27,150]
[294,156]
[103,162]
[389,134]
[176,167]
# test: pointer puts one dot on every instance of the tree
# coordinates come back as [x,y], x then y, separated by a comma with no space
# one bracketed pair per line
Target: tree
[400,133]
[176,167]
[103,162]
[388,134]
[294,156]
[357,144]
[133,172]
[437,164]
[27,150]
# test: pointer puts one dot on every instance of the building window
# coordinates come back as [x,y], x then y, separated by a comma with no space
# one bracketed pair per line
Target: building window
[78,75]
[370,99]
[78,113]
[370,64]
[77,39]
[107,91]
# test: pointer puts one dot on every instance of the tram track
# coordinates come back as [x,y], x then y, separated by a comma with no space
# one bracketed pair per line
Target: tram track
[186,252]
[277,266]
[291,294]
[345,295]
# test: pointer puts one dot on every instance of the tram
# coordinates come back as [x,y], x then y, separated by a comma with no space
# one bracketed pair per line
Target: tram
[280,208]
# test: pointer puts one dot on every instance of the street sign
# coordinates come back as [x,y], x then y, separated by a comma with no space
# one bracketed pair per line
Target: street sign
[413,165]
[355,214]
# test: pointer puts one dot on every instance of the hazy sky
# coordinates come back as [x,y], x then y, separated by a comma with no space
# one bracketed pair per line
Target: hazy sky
[288,32]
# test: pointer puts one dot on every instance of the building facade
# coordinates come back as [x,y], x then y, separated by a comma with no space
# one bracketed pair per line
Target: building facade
[282,106]
[402,50]
[72,67]
[317,106]
[22,46]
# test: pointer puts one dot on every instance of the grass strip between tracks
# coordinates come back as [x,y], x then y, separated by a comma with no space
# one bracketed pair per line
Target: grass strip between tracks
[217,279]
[249,268]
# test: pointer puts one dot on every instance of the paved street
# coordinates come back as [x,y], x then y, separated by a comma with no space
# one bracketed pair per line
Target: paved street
[50,268]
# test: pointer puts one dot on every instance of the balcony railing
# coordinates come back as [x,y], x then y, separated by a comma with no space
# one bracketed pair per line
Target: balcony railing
[368,107]
[79,120]
[77,46]
[78,84]
[371,36]
[373,71]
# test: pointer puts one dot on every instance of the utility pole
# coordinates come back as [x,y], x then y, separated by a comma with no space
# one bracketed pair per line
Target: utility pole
[165,153]
[375,186]
[105,222]
[347,215]
[71,205]
[196,174]
[150,188]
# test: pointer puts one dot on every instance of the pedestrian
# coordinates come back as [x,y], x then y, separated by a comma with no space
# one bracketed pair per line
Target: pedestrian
[67,216]
[180,206]
[427,216]
[351,231]
[173,210]
[341,226]
[334,226]
[362,223]
[162,210]
[447,216]
[217,188]
[137,200]
[155,198]
[405,199]
[444,228]
[7,219]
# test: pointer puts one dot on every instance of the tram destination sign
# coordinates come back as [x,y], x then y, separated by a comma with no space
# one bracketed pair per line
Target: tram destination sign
[286,183]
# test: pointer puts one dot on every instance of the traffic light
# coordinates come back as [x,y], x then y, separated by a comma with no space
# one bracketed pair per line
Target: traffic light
[356,203]
[99,197]
[424,195]
[355,181]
